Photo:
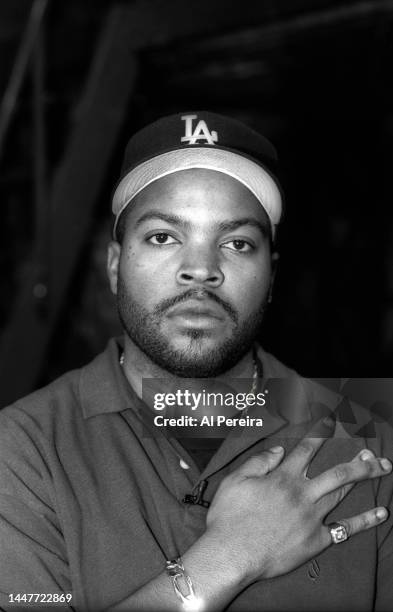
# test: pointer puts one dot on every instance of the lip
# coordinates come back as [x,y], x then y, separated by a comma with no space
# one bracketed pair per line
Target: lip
[194,310]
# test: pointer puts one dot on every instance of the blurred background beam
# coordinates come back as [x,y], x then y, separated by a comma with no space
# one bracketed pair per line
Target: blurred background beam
[263,36]
[75,188]
[19,69]
[41,203]
[164,21]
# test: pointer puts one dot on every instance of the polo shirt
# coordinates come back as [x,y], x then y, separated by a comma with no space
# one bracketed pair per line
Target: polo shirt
[92,506]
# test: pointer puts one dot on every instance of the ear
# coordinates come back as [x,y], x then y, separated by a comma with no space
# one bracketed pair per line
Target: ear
[112,266]
[275,259]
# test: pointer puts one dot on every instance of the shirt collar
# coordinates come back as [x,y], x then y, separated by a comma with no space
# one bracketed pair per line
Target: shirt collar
[103,388]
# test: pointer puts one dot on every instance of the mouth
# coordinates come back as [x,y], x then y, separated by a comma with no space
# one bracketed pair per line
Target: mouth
[197,314]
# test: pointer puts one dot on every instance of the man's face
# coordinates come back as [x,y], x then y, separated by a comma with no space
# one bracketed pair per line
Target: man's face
[193,273]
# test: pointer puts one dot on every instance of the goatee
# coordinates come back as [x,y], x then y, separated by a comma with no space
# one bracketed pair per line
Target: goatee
[196,360]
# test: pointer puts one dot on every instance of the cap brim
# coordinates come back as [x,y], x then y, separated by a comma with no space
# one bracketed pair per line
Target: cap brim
[252,175]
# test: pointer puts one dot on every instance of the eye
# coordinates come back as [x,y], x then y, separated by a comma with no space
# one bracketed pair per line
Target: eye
[240,246]
[161,238]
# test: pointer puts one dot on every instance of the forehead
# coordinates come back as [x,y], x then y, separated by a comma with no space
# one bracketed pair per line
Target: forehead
[199,194]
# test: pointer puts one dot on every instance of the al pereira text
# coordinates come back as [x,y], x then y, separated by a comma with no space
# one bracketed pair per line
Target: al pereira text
[207,421]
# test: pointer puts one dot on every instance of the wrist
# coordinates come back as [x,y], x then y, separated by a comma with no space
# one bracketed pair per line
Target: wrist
[229,560]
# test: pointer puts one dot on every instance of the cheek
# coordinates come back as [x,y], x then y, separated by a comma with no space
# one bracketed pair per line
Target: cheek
[252,278]
[138,261]
[135,275]
[249,289]
[143,279]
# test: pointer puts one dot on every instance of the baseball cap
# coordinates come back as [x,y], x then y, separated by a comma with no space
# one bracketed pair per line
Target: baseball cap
[200,139]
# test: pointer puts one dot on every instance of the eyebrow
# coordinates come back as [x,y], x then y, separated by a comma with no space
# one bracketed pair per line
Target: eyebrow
[223,226]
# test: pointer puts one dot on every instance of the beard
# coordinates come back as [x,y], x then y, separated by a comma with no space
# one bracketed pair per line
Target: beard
[197,360]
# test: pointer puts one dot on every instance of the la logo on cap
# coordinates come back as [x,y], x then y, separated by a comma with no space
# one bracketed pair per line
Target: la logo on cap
[201,131]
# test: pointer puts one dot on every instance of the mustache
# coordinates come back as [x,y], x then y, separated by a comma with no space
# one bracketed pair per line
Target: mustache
[199,294]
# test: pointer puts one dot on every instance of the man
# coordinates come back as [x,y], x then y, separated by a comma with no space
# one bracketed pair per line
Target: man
[103,508]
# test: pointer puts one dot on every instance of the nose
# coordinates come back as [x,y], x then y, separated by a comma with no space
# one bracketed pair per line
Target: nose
[200,267]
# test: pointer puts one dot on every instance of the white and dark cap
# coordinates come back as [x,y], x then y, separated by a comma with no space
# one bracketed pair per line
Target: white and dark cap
[200,139]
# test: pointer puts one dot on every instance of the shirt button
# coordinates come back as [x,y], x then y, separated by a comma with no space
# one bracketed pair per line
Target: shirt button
[184,465]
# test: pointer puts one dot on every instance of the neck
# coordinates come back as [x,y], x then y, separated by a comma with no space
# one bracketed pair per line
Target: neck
[138,366]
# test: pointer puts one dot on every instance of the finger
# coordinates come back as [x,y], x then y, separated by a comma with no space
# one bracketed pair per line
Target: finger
[341,492]
[299,458]
[260,465]
[360,522]
[363,467]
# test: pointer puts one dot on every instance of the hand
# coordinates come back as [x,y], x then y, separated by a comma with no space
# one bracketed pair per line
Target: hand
[270,515]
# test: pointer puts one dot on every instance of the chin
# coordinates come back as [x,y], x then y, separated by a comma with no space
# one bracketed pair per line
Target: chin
[196,357]
[194,338]
[193,368]
[196,343]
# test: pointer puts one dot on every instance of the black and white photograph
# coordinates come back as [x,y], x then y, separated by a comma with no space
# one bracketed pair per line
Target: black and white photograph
[196,306]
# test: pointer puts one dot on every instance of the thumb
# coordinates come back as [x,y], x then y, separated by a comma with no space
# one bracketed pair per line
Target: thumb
[262,464]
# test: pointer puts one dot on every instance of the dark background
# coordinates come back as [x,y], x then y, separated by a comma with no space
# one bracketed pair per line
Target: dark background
[314,76]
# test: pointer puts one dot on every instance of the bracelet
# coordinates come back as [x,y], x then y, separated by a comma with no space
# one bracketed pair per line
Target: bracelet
[176,572]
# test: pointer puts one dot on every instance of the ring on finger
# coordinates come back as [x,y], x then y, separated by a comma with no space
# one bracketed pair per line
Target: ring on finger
[338,532]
